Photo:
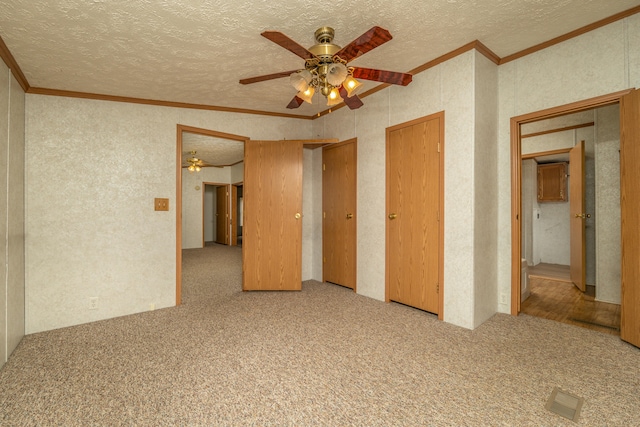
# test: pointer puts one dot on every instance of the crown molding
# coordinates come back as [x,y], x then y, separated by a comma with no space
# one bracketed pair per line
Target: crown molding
[570,35]
[8,59]
[103,97]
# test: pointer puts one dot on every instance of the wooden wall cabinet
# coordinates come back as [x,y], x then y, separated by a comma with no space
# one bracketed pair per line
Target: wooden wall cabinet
[552,182]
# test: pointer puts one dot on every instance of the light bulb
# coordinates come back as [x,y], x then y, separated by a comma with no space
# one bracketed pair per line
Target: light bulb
[307,95]
[334,97]
[351,85]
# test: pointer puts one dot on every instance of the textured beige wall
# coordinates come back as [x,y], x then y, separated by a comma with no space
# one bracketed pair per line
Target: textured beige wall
[607,214]
[12,235]
[237,173]
[93,169]
[486,189]
[603,61]
[312,214]
[15,219]
[4,157]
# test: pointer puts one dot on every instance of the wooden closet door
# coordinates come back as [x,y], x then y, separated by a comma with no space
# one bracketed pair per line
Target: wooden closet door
[414,247]
[272,232]
[339,214]
[577,217]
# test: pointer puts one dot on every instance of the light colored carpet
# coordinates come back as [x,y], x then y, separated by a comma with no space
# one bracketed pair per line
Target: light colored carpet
[320,357]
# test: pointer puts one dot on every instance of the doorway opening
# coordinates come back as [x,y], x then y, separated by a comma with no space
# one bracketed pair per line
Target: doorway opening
[562,259]
[216,214]
[222,156]
[551,288]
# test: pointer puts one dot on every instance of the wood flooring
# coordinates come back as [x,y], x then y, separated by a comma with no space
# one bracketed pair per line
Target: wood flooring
[557,272]
[562,301]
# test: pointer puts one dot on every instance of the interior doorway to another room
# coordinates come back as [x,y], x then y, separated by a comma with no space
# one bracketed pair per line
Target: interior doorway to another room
[204,191]
[547,247]
[216,214]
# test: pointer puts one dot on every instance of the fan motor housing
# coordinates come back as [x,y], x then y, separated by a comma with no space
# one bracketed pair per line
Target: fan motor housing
[324,49]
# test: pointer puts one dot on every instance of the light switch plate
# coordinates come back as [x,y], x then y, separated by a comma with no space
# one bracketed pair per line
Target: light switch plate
[161,204]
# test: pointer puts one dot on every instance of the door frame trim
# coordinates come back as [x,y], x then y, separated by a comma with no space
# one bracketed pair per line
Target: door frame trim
[179,130]
[441,117]
[516,175]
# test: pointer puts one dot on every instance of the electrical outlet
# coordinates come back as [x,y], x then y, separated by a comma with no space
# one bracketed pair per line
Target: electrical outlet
[93,303]
[503,298]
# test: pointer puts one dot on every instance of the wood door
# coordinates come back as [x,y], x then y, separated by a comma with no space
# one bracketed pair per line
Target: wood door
[578,216]
[630,216]
[222,215]
[339,214]
[272,232]
[233,223]
[414,189]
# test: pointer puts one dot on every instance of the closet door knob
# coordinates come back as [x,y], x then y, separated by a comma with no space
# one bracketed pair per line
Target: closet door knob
[393,216]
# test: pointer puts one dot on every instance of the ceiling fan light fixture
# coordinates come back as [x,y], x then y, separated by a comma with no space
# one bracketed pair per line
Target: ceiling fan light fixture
[327,66]
[300,80]
[351,85]
[307,95]
[336,73]
[334,97]
[193,161]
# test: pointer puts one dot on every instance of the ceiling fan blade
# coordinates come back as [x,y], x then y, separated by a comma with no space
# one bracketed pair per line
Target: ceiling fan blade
[267,77]
[373,38]
[353,102]
[284,41]
[391,77]
[295,102]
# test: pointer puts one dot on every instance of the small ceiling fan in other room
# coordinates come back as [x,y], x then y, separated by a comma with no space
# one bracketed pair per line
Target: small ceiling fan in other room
[327,67]
[194,164]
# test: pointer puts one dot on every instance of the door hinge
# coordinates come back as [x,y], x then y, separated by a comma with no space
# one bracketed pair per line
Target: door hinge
[324,215]
[438,147]
[324,259]
[437,288]
[324,166]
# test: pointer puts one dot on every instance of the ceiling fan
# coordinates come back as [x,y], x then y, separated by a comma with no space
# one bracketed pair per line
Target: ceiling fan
[327,70]
[194,163]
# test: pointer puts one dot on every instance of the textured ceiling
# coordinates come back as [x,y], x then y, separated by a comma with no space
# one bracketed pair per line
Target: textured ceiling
[212,150]
[195,51]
